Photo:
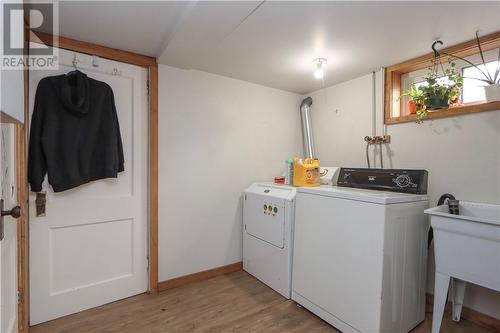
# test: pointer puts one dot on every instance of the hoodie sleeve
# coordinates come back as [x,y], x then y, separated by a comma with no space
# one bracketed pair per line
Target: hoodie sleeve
[119,146]
[37,166]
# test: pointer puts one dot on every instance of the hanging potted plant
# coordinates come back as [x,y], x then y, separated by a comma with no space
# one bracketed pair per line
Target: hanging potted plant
[492,89]
[440,91]
[437,92]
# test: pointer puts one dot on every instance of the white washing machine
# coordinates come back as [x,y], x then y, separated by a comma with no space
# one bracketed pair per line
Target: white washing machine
[360,256]
[268,216]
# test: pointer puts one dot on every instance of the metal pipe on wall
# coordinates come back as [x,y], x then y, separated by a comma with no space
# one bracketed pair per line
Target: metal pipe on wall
[374,104]
[382,105]
[307,135]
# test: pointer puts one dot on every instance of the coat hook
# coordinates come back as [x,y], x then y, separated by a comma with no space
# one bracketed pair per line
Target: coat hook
[95,61]
[75,61]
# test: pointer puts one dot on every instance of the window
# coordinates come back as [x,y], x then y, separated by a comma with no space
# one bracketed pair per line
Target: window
[399,78]
[472,91]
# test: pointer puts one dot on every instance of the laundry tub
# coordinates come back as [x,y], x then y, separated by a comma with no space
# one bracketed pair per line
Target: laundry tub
[466,249]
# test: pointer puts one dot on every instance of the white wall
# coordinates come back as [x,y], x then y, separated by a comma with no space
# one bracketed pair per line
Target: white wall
[462,154]
[341,119]
[217,136]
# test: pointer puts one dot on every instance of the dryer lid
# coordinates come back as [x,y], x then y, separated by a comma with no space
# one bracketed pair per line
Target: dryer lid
[284,192]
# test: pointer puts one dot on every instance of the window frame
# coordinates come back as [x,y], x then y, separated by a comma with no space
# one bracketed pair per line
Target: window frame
[392,103]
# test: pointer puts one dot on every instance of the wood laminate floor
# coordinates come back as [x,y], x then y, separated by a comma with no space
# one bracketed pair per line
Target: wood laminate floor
[235,302]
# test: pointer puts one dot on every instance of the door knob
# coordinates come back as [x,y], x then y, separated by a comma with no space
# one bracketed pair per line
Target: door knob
[14,212]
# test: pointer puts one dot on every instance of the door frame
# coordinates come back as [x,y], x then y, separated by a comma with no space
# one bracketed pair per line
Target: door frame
[22,181]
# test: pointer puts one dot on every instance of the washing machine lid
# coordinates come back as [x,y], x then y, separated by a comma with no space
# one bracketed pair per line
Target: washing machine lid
[378,197]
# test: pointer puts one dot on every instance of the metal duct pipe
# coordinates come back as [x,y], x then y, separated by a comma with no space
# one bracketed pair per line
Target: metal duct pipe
[307,135]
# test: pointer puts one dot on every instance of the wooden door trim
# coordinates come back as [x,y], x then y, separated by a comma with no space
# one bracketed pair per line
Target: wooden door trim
[22,227]
[153,178]
[98,50]
[23,242]
[22,201]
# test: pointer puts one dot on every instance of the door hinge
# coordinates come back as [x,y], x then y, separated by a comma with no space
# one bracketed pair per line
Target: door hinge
[18,297]
[245,227]
[147,86]
[147,264]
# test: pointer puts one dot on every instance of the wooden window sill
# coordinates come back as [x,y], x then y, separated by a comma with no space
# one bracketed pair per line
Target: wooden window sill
[450,112]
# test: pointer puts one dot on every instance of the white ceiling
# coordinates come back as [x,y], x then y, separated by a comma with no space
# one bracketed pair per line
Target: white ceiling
[136,26]
[273,43]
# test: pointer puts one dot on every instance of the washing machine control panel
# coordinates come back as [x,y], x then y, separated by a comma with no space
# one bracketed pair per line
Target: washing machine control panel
[395,180]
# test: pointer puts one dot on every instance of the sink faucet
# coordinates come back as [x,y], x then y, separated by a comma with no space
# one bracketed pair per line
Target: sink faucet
[453,203]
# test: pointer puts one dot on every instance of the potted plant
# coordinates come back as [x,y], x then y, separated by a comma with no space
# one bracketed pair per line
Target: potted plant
[492,90]
[435,94]
[439,94]
[416,101]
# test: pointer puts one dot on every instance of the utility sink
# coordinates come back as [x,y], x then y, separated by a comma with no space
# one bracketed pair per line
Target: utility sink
[466,249]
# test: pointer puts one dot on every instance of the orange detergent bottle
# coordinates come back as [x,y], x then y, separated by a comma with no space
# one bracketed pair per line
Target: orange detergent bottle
[306,173]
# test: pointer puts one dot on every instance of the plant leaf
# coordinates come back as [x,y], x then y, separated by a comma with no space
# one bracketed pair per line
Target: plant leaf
[470,63]
[475,78]
[497,72]
[482,55]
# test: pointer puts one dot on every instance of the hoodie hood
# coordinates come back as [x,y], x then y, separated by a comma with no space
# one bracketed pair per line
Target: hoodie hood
[75,93]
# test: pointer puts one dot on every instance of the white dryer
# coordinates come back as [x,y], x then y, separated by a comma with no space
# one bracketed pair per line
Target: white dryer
[268,219]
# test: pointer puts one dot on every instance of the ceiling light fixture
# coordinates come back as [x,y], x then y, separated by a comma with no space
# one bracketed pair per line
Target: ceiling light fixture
[319,71]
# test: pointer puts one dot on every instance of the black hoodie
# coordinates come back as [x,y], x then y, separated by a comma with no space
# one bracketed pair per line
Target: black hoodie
[75,135]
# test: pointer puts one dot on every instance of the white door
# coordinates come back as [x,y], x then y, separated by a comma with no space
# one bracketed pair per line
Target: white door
[91,247]
[8,245]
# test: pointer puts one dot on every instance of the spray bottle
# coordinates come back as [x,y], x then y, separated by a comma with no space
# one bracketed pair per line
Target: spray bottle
[289,172]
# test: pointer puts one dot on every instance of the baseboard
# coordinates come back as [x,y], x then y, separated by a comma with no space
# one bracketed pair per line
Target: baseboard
[474,316]
[200,276]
